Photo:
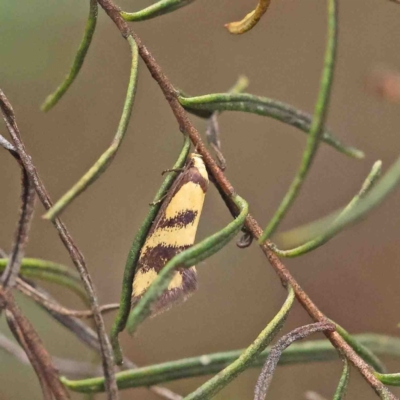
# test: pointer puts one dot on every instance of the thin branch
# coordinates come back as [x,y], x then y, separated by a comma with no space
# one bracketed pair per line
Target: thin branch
[34,344]
[65,366]
[267,372]
[187,127]
[314,138]
[24,222]
[32,361]
[90,338]
[70,245]
[37,296]
[53,98]
[11,348]
[7,145]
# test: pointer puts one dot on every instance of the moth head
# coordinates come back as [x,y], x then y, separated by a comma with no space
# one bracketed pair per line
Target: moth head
[198,163]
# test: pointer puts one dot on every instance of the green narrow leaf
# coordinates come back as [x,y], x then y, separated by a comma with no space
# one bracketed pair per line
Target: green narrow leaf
[106,158]
[343,382]
[204,106]
[297,353]
[155,10]
[223,378]
[317,125]
[48,271]
[331,231]
[53,98]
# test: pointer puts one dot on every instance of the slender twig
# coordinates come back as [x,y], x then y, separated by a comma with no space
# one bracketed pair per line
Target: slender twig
[24,222]
[7,145]
[53,98]
[65,366]
[70,245]
[11,348]
[90,338]
[267,372]
[32,361]
[187,127]
[100,166]
[314,138]
[31,292]
[34,344]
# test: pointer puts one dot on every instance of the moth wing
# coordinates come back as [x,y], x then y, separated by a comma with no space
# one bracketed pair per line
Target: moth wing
[173,230]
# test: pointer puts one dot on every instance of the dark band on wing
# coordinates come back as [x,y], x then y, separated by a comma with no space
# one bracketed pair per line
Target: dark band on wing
[156,257]
[175,295]
[193,175]
[181,220]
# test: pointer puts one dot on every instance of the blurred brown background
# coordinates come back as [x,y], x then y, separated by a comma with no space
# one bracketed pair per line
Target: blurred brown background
[354,278]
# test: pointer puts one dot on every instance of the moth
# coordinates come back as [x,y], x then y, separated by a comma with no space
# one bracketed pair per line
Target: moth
[173,230]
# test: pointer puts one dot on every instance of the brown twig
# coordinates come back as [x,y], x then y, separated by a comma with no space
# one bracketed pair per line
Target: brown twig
[40,298]
[30,341]
[267,372]
[24,221]
[22,232]
[67,367]
[89,337]
[66,238]
[41,375]
[187,127]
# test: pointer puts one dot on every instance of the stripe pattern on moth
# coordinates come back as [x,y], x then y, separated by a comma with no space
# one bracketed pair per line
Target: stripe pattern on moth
[173,230]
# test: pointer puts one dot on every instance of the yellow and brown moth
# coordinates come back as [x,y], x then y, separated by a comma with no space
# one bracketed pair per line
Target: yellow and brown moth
[173,230]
